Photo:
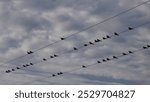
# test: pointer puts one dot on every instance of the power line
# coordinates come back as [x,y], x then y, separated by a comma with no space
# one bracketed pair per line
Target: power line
[85,29]
[90,43]
[104,60]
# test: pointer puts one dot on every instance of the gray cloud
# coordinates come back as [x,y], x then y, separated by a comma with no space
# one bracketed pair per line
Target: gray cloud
[30,24]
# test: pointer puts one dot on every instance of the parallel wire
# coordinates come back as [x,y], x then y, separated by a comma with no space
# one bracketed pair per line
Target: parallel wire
[85,29]
[81,47]
[115,57]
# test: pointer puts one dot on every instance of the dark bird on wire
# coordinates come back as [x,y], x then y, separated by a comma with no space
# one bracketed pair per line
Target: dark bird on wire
[104,60]
[13,69]
[24,65]
[53,75]
[8,71]
[51,56]
[130,28]
[97,40]
[108,59]
[44,59]
[55,55]
[130,52]
[17,68]
[115,57]
[62,38]
[108,36]
[75,48]
[85,44]
[144,47]
[104,38]
[31,63]
[91,43]
[83,66]
[124,54]
[148,46]
[29,52]
[116,34]
[98,61]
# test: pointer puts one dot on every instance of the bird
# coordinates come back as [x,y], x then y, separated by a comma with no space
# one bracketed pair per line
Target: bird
[116,34]
[97,40]
[108,36]
[130,51]
[75,48]
[91,43]
[8,71]
[85,44]
[83,66]
[24,65]
[31,63]
[104,38]
[104,60]
[115,57]
[17,68]
[59,73]
[98,61]
[130,28]
[51,56]
[124,54]
[62,38]
[27,65]
[148,45]
[108,59]
[13,69]
[55,55]
[44,59]
[29,52]
[53,75]
[144,47]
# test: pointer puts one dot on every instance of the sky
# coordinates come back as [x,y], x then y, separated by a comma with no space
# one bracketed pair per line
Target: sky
[27,25]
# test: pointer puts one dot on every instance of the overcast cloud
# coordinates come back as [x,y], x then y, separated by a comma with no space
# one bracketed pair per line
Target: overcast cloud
[31,24]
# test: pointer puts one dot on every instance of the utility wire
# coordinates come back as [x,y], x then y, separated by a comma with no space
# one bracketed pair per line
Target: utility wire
[85,29]
[93,43]
[104,60]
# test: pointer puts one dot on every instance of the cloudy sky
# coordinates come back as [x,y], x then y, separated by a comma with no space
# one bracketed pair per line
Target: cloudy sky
[27,25]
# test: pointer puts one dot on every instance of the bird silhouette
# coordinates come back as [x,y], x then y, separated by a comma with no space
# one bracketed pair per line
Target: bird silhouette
[144,47]
[62,38]
[124,54]
[24,65]
[75,48]
[85,44]
[53,75]
[130,28]
[91,43]
[55,55]
[83,66]
[104,60]
[31,63]
[130,52]
[116,34]
[17,68]
[108,36]
[51,56]
[115,57]
[13,69]
[148,45]
[44,59]
[104,38]
[108,59]
[98,61]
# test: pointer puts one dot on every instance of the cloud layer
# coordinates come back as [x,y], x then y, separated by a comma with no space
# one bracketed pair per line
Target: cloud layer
[31,24]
